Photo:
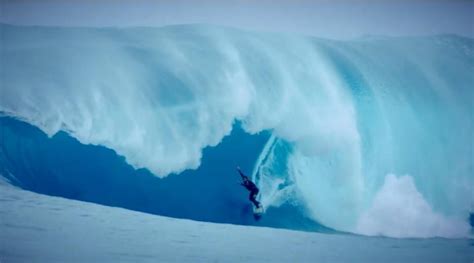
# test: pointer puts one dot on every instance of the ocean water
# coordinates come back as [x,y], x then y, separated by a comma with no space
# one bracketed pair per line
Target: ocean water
[372,136]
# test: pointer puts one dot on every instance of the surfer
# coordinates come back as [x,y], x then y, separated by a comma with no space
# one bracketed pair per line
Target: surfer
[251,187]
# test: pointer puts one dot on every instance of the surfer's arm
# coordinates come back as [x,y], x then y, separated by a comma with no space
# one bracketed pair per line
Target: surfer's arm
[240,172]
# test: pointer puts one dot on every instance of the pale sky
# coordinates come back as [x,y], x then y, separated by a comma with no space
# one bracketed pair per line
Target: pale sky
[323,18]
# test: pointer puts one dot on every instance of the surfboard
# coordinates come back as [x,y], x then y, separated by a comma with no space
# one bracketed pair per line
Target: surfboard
[258,212]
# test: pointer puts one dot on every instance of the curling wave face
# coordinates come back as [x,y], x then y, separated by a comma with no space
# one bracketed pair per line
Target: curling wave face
[354,124]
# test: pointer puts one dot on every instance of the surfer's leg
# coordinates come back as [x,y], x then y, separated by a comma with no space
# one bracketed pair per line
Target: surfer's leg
[252,197]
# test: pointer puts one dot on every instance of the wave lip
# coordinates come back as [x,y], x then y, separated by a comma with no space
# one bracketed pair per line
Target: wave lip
[344,114]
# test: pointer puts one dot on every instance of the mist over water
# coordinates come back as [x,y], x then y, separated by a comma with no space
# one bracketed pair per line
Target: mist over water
[358,128]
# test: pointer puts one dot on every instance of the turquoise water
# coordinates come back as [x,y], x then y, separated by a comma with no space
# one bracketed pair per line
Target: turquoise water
[349,135]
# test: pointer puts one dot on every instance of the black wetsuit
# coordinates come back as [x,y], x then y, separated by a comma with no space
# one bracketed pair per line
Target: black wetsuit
[252,188]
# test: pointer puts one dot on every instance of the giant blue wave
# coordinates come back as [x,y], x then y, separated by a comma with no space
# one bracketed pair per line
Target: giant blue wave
[371,136]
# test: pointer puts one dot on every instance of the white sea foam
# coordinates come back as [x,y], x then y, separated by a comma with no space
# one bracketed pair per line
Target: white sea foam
[399,210]
[344,113]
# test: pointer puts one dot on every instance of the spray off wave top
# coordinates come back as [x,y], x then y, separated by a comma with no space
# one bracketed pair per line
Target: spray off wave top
[373,136]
